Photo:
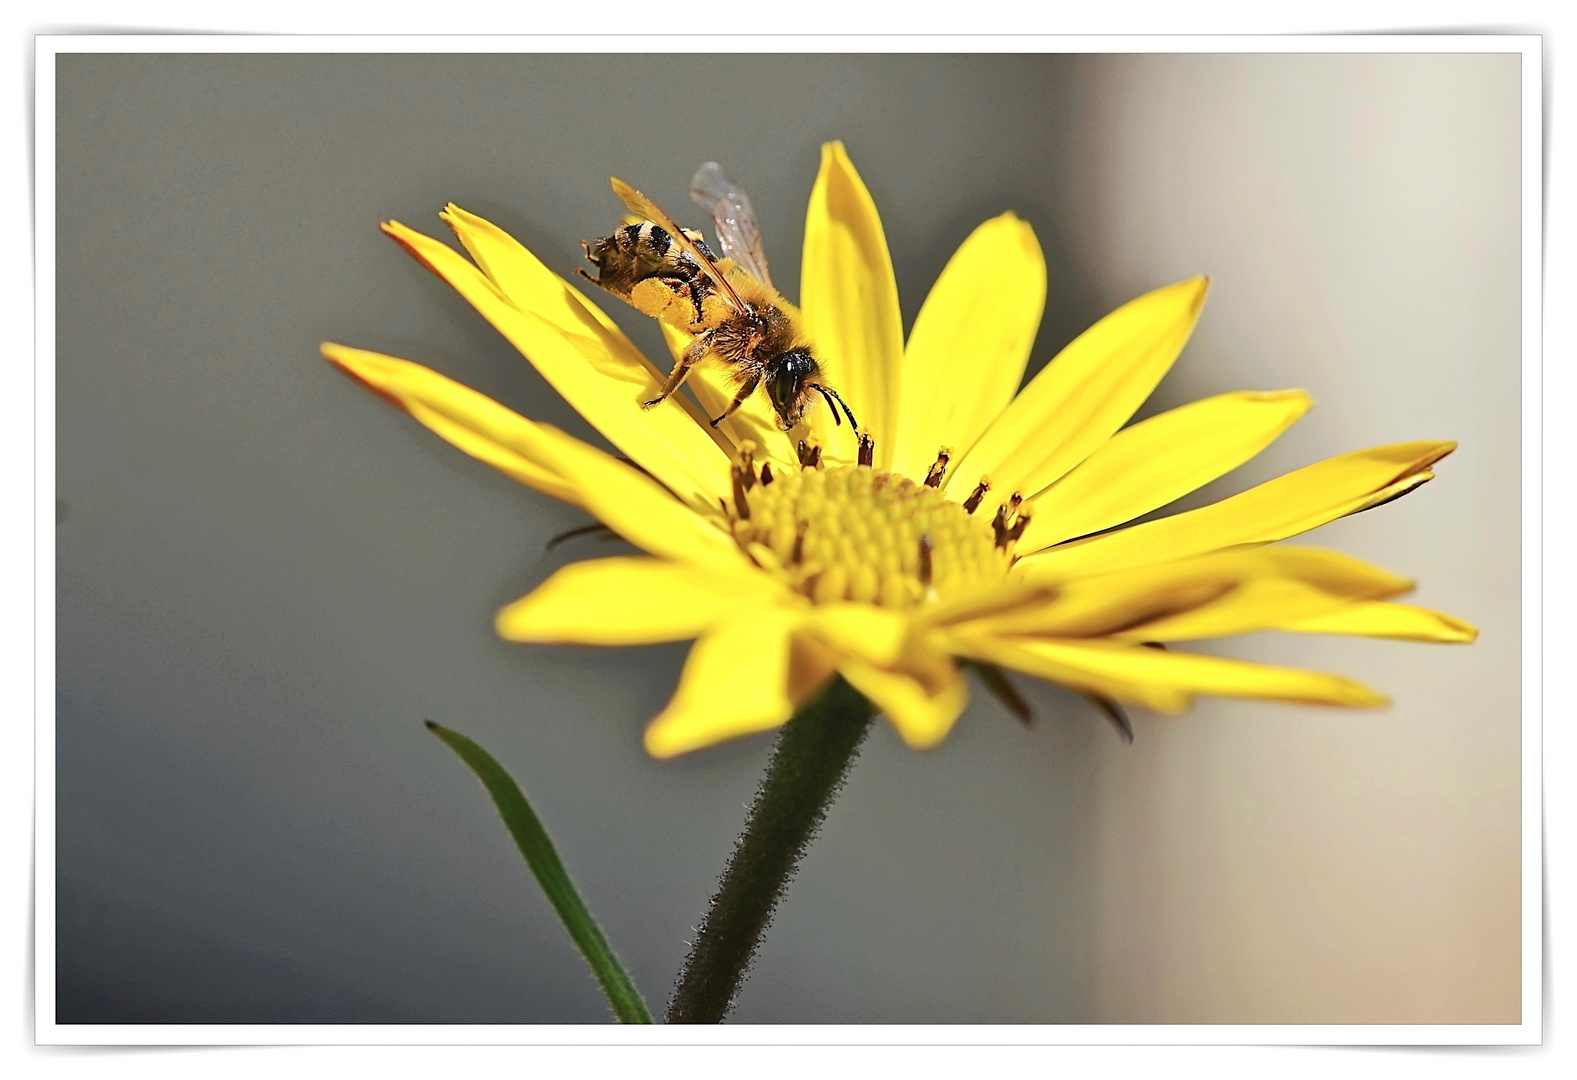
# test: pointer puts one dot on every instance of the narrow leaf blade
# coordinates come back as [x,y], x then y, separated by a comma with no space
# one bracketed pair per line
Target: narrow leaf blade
[534,845]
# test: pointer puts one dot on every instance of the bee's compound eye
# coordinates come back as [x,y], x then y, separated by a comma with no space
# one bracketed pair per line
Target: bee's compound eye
[787,380]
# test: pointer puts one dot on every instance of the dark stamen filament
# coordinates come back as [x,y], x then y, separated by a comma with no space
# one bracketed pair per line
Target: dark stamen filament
[747,465]
[925,559]
[938,470]
[766,473]
[741,504]
[867,449]
[972,503]
[1018,529]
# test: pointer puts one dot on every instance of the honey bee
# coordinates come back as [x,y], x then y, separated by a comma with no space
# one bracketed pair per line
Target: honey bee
[727,303]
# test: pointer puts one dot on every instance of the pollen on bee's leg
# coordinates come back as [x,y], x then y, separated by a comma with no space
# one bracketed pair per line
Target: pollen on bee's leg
[972,503]
[938,468]
[867,450]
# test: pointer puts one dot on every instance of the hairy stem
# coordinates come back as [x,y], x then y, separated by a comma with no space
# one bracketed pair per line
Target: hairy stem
[808,766]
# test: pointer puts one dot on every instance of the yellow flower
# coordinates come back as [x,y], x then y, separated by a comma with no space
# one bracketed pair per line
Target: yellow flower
[960,539]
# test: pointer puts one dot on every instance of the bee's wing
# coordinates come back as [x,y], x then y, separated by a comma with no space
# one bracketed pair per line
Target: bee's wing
[737,231]
[640,204]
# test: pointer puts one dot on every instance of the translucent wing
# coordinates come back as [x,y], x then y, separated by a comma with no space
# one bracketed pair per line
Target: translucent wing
[650,211]
[737,231]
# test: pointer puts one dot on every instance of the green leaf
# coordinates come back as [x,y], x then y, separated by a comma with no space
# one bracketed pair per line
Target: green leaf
[533,842]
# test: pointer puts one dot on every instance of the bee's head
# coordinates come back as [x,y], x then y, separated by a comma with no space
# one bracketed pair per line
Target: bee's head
[786,379]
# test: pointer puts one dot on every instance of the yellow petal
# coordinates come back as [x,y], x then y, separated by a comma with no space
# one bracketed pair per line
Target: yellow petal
[922,714]
[1253,605]
[1166,680]
[735,682]
[873,634]
[1087,392]
[581,353]
[1037,659]
[638,508]
[1161,459]
[1274,510]
[849,300]
[714,387]
[811,663]
[631,601]
[1372,619]
[970,342]
[1139,598]
[471,421]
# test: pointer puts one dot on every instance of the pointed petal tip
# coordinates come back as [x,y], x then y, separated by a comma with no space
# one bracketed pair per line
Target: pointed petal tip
[353,363]
[505,622]
[1360,696]
[1456,631]
[1201,288]
[928,739]
[660,744]
[666,738]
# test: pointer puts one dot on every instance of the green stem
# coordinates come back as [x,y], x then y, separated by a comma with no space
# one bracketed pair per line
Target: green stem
[808,766]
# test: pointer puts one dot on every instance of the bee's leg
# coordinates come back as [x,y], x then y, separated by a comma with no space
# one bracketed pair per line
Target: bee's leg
[697,349]
[603,285]
[739,399]
[698,293]
[832,395]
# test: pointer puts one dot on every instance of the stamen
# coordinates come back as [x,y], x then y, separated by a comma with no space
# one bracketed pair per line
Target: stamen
[766,473]
[740,487]
[972,503]
[853,533]
[999,524]
[867,450]
[938,470]
[747,463]
[809,456]
[1018,528]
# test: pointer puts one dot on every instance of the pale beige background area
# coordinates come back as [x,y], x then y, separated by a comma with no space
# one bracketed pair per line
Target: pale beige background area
[267,578]
[1263,866]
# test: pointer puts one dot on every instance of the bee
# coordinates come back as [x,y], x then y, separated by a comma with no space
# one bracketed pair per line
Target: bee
[641,265]
[727,303]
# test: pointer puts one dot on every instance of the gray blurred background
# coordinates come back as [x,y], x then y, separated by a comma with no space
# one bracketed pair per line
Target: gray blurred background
[268,578]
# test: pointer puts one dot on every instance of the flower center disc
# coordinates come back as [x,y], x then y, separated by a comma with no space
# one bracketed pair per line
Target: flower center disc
[852,533]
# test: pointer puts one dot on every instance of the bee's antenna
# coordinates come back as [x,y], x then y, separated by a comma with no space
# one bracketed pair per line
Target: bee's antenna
[832,395]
